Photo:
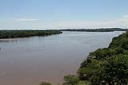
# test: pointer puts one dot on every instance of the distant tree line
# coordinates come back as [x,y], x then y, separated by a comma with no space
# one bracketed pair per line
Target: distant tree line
[96,30]
[26,33]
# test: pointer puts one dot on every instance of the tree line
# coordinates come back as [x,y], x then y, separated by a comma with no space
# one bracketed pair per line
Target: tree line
[26,33]
[96,30]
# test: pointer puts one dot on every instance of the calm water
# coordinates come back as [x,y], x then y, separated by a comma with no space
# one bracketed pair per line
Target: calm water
[28,61]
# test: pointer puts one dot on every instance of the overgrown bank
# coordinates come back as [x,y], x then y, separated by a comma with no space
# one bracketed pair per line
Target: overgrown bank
[26,33]
[96,30]
[107,66]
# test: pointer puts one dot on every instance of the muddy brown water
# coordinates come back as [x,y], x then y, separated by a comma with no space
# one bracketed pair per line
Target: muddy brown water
[28,61]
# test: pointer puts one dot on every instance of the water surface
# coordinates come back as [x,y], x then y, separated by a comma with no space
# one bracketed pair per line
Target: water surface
[28,61]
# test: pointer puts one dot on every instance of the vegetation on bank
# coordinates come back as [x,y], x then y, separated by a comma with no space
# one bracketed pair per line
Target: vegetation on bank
[29,33]
[45,83]
[106,66]
[97,30]
[26,33]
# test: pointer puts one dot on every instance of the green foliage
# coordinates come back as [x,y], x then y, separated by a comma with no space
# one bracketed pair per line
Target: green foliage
[107,66]
[97,30]
[87,71]
[26,33]
[120,41]
[45,83]
[71,80]
[84,83]
[102,53]
[112,72]
[115,70]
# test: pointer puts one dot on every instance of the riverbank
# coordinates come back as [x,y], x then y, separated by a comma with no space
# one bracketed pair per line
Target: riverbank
[107,66]
[96,30]
[7,34]
[6,40]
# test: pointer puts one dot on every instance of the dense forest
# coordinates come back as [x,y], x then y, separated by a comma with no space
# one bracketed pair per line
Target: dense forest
[96,30]
[26,33]
[106,66]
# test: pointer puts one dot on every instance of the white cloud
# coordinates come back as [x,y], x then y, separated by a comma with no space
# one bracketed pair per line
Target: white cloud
[42,24]
[26,19]
[119,22]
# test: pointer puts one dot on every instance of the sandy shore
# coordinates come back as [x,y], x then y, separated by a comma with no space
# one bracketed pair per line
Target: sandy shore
[6,40]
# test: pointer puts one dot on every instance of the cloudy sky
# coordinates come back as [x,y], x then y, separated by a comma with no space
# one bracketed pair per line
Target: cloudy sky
[57,14]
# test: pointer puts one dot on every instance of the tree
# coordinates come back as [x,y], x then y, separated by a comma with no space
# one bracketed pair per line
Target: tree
[107,66]
[114,71]
[71,80]
[44,83]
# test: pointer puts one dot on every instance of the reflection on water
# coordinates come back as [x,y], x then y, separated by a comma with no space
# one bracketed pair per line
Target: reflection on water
[28,61]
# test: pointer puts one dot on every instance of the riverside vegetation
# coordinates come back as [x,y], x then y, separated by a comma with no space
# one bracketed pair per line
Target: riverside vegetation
[29,33]
[26,33]
[96,30]
[106,66]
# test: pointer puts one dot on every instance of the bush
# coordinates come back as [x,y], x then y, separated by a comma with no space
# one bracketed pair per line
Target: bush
[45,83]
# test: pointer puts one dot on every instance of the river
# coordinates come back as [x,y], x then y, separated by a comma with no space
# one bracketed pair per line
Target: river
[28,61]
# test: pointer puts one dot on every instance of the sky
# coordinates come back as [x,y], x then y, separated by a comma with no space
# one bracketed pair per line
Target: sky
[60,14]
